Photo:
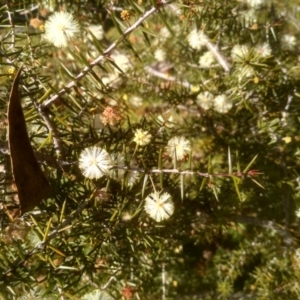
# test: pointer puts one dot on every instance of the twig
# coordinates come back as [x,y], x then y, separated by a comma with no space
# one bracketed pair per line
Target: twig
[112,278]
[219,57]
[210,46]
[85,71]
[160,74]
[250,173]
[164,76]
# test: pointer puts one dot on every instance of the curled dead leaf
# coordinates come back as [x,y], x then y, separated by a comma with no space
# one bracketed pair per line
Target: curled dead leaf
[32,185]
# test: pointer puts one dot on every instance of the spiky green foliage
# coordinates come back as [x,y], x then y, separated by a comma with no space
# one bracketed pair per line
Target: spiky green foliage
[235,188]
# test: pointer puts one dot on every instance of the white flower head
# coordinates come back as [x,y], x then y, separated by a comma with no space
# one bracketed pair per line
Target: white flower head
[60,28]
[288,42]
[178,147]
[206,60]
[97,31]
[197,39]
[159,206]
[142,137]
[222,104]
[94,162]
[255,3]
[136,101]
[205,100]
[297,212]
[263,50]
[164,34]
[122,61]
[160,54]
[239,53]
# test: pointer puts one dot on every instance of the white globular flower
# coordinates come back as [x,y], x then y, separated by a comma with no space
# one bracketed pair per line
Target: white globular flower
[205,100]
[164,34]
[142,137]
[297,212]
[159,206]
[136,101]
[239,53]
[60,28]
[222,104]
[206,60]
[178,147]
[94,162]
[160,54]
[197,39]
[263,50]
[255,3]
[288,42]
[97,31]
[122,61]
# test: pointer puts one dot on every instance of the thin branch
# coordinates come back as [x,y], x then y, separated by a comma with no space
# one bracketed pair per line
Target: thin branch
[250,173]
[154,72]
[86,70]
[219,57]
[160,74]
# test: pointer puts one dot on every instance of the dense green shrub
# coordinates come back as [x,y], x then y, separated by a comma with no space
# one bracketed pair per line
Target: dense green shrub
[194,104]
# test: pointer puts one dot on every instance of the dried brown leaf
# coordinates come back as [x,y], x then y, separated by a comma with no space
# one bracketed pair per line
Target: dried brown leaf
[32,185]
